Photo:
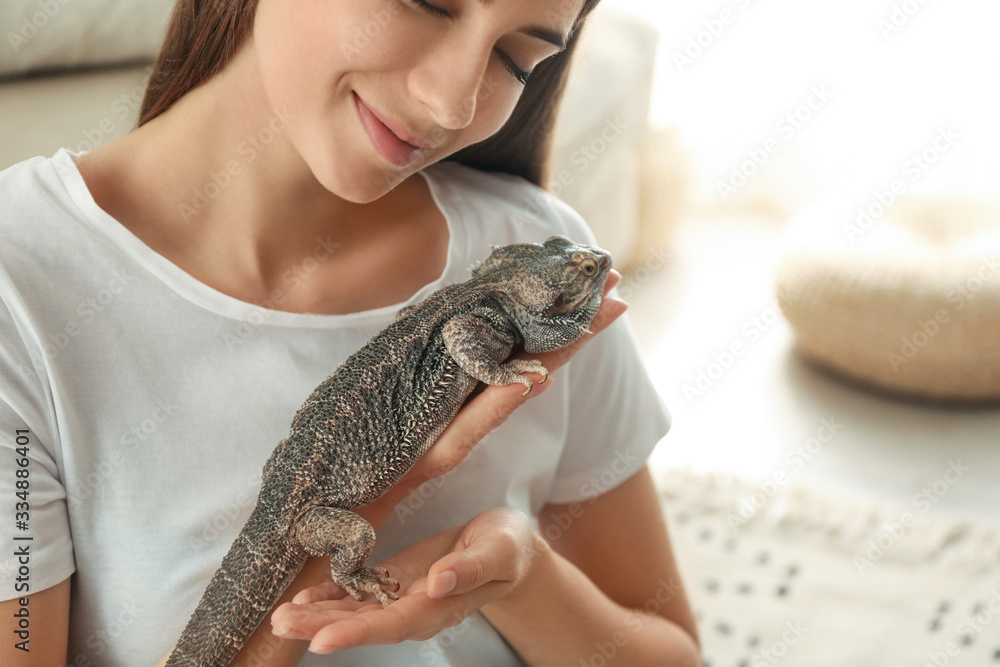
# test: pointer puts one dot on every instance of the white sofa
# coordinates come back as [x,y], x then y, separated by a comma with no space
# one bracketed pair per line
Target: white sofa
[52,95]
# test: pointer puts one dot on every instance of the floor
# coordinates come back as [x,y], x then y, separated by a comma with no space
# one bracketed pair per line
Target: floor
[767,415]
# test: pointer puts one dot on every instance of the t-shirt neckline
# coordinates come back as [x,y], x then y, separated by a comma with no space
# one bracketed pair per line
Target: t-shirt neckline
[228,306]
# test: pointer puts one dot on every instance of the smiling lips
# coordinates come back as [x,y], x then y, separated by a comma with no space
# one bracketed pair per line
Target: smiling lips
[390,140]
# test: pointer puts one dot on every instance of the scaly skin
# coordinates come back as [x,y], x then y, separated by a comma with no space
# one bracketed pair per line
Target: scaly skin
[366,425]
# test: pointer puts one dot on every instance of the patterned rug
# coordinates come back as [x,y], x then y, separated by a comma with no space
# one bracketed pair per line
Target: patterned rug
[789,576]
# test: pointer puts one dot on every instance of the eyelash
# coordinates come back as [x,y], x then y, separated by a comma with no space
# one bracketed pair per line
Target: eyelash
[517,72]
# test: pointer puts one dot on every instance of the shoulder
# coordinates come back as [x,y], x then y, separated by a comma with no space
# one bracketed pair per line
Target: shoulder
[37,204]
[46,248]
[508,208]
[29,180]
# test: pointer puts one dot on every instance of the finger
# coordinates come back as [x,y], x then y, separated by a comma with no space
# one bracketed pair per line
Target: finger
[491,408]
[304,621]
[474,421]
[413,562]
[611,309]
[319,593]
[461,572]
[301,621]
[411,617]
[492,549]
[613,278]
[405,567]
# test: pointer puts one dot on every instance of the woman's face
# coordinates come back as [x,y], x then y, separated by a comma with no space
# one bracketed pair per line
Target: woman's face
[439,71]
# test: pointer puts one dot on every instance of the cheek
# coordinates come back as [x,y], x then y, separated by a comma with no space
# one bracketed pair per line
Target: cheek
[306,70]
[495,103]
[311,53]
[293,41]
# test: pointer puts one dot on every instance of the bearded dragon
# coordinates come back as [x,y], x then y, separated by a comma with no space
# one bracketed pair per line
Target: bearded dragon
[366,425]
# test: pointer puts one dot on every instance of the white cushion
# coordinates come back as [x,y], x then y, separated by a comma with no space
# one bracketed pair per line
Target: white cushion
[41,34]
[906,299]
[603,119]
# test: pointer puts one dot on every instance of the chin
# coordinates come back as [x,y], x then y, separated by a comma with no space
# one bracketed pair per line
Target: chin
[356,179]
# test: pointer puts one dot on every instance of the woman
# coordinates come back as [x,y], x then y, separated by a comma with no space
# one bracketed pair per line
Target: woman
[168,300]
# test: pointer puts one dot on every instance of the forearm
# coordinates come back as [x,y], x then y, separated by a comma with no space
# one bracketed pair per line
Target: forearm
[558,616]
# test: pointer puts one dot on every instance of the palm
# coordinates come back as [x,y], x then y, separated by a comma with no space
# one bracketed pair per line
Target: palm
[329,617]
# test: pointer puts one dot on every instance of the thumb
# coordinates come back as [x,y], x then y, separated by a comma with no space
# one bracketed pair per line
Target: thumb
[470,568]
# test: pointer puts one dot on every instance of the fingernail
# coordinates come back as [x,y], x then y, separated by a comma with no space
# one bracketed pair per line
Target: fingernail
[322,649]
[444,583]
[614,299]
[288,633]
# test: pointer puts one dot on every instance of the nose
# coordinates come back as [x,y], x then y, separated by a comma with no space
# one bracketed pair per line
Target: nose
[449,91]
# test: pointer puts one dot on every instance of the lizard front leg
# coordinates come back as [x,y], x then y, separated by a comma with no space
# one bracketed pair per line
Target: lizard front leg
[480,349]
[349,540]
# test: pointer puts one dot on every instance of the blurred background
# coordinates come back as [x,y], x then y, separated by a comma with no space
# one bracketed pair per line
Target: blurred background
[777,105]
[894,73]
[726,153]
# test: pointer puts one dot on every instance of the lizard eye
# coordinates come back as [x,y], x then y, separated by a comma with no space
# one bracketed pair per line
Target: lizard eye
[586,263]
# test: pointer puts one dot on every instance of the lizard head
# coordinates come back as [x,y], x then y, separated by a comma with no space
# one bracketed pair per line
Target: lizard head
[550,290]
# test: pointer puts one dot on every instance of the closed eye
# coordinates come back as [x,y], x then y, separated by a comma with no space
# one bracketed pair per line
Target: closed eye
[508,63]
[431,9]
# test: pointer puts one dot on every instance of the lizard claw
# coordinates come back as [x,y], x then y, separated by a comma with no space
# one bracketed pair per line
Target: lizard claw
[527,390]
[374,580]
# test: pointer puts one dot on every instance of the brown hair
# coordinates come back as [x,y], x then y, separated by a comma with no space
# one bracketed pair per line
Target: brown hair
[203,35]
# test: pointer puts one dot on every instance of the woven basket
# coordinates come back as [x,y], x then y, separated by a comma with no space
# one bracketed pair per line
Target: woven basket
[904,298]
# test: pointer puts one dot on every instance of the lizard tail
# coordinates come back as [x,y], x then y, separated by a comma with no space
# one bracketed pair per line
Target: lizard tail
[253,575]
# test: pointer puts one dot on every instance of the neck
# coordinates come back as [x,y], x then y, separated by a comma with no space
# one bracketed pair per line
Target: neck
[222,189]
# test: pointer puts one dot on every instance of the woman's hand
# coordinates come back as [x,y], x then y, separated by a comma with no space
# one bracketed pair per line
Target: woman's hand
[489,558]
[443,579]
[485,412]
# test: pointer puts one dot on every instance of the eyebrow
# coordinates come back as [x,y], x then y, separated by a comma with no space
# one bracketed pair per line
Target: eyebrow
[541,32]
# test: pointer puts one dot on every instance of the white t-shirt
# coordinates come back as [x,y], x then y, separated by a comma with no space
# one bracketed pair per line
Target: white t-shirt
[147,403]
